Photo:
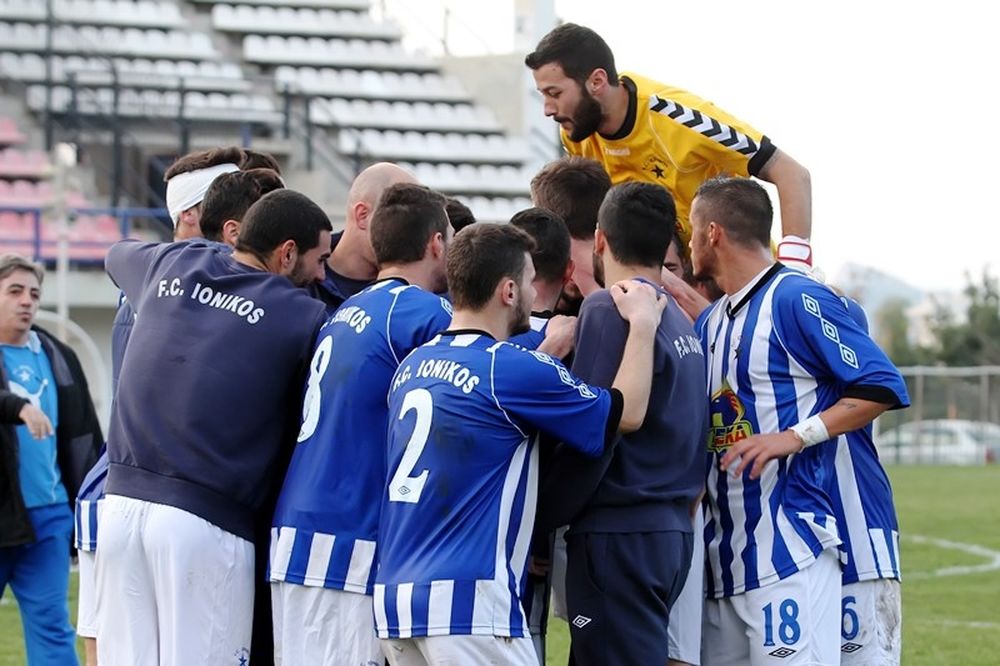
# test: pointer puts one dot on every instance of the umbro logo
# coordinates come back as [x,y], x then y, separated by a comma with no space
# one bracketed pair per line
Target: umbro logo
[581,621]
[782,652]
[850,647]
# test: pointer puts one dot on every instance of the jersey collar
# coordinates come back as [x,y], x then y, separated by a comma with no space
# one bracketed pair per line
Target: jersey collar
[629,122]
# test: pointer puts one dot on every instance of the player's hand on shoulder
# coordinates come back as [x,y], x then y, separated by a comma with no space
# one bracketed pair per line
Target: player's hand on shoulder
[758,450]
[560,334]
[638,303]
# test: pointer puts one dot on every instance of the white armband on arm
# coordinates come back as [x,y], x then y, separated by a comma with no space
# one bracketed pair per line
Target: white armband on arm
[812,431]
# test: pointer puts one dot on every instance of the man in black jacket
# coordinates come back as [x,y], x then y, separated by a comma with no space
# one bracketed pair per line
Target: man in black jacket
[39,478]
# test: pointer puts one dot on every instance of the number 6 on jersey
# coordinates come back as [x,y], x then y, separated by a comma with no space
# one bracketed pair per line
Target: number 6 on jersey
[403,487]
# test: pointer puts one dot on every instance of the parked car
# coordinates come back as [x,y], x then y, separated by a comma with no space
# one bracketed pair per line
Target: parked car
[941,441]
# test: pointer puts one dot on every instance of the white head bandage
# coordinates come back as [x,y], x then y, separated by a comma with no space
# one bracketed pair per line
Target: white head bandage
[186,190]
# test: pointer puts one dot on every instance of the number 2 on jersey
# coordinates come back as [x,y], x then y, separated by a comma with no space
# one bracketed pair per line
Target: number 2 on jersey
[403,487]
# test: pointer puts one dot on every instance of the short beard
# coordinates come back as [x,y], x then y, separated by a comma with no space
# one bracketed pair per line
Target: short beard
[587,117]
[523,322]
[300,275]
[598,270]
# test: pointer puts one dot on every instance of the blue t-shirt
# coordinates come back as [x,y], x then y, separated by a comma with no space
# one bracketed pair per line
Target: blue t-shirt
[211,381]
[326,521]
[29,375]
[457,512]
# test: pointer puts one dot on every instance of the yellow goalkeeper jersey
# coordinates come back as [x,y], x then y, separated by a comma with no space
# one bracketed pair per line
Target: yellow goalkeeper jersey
[674,139]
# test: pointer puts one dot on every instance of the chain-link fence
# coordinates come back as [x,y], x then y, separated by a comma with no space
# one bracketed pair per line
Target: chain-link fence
[954,418]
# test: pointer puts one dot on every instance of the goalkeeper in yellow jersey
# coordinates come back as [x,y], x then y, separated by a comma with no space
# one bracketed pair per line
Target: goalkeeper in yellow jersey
[642,130]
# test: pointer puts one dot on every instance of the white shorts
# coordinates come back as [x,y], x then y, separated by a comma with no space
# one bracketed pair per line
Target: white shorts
[871,623]
[86,614]
[559,575]
[684,630]
[172,588]
[794,622]
[459,651]
[314,625]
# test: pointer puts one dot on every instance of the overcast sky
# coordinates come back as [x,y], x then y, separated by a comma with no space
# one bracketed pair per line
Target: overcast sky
[892,106]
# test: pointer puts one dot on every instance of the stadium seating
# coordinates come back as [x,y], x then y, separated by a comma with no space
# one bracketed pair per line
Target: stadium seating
[357,5]
[31,164]
[25,197]
[133,13]
[405,115]
[249,19]
[132,72]
[136,42]
[9,134]
[213,106]
[373,99]
[433,146]
[319,52]
[370,84]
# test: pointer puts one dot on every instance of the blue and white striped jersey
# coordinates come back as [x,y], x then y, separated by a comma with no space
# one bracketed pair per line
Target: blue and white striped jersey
[324,531]
[87,501]
[534,336]
[781,350]
[458,510]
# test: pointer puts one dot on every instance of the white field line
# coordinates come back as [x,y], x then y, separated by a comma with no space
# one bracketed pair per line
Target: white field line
[992,557]
[972,624]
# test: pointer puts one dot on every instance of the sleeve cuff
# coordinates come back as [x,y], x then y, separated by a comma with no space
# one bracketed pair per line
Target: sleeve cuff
[879,394]
[760,158]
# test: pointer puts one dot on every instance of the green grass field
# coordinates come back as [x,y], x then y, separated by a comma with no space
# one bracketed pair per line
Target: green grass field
[950,517]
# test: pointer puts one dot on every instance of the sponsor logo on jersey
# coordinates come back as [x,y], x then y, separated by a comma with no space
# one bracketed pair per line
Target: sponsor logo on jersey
[728,423]
[618,152]
[782,652]
[850,648]
[581,621]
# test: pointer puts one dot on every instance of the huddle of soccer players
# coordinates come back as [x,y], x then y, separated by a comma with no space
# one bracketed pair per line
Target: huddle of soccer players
[340,442]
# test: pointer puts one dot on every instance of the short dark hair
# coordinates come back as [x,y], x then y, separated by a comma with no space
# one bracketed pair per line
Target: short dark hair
[279,216]
[255,159]
[480,257]
[572,188]
[405,218]
[551,253]
[230,196]
[458,214]
[202,159]
[638,221]
[740,205]
[578,50]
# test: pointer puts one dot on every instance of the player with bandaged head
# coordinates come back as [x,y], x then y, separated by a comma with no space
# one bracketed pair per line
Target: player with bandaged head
[209,394]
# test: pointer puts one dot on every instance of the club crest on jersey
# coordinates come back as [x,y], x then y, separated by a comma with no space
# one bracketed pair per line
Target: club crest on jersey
[728,423]
[242,657]
[656,167]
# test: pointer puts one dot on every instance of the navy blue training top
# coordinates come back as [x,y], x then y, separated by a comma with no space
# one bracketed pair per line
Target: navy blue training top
[335,288]
[648,482]
[211,382]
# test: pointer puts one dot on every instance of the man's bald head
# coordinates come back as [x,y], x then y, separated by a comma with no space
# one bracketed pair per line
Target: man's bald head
[370,183]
